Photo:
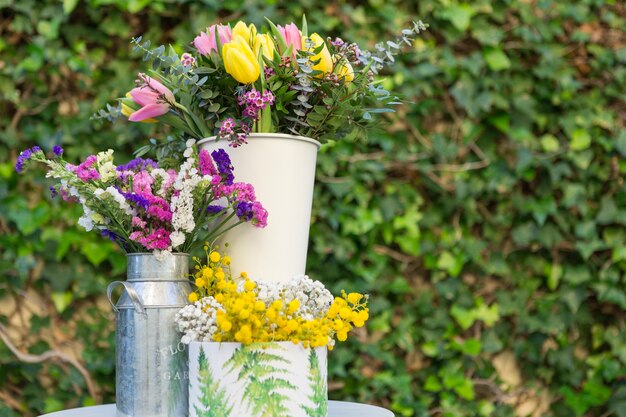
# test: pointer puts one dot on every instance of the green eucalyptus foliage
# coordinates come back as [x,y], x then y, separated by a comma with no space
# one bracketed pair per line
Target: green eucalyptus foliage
[484,218]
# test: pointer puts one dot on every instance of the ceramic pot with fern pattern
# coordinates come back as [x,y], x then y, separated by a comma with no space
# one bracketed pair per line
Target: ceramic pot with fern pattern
[279,379]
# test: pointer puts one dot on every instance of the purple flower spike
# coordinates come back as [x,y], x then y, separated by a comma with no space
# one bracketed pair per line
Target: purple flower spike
[109,234]
[213,209]
[224,166]
[58,151]
[24,156]
[53,192]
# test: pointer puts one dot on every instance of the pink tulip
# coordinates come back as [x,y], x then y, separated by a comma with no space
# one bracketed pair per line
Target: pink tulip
[205,42]
[292,36]
[153,97]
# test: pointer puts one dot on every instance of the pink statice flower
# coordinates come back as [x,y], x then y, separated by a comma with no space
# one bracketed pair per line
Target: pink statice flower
[142,182]
[205,163]
[85,171]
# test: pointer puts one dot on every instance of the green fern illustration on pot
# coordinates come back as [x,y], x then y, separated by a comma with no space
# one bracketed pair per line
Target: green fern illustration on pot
[318,389]
[261,373]
[215,402]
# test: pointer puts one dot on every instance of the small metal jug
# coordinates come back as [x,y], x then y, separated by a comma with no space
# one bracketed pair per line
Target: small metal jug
[151,372]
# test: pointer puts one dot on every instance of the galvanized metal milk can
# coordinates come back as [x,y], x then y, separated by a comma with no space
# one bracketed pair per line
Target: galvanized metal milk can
[151,372]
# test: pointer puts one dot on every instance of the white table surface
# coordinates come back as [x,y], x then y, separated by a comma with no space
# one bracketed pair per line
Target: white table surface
[335,409]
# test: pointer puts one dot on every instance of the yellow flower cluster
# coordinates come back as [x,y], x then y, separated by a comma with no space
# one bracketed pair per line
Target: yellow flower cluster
[247,319]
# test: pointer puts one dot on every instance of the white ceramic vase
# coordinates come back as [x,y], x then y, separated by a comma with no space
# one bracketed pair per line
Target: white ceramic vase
[282,170]
[278,379]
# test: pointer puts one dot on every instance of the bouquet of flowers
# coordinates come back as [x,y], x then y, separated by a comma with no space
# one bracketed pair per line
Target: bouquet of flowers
[146,208]
[225,308]
[237,80]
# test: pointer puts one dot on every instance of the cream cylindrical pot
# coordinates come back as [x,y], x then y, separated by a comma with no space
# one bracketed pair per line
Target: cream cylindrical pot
[282,170]
[278,379]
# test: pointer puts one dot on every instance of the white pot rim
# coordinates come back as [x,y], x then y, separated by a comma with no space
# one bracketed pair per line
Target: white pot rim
[257,136]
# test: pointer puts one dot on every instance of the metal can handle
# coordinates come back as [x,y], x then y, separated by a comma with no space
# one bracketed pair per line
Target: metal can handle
[134,297]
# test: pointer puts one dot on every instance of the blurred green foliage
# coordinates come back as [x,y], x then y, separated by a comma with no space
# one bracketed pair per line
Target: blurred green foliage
[486,218]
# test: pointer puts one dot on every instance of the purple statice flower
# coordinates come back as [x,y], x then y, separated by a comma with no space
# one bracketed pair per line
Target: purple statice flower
[252,212]
[24,156]
[109,234]
[138,164]
[214,209]
[243,210]
[53,191]
[136,198]
[57,150]
[224,166]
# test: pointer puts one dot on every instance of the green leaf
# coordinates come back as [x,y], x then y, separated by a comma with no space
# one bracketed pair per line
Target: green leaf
[465,318]
[460,15]
[496,59]
[550,143]
[61,300]
[620,143]
[450,263]
[465,389]
[432,384]
[580,140]
[95,252]
[69,6]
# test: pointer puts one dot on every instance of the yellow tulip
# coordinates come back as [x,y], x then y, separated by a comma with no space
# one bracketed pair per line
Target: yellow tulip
[325,63]
[344,70]
[245,31]
[240,61]
[267,43]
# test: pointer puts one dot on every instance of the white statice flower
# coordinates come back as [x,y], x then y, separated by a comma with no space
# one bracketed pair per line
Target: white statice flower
[107,171]
[182,204]
[104,157]
[198,321]
[120,200]
[86,222]
[177,238]
[159,174]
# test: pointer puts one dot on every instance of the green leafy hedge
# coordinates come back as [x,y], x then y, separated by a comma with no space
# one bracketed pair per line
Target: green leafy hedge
[485,218]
